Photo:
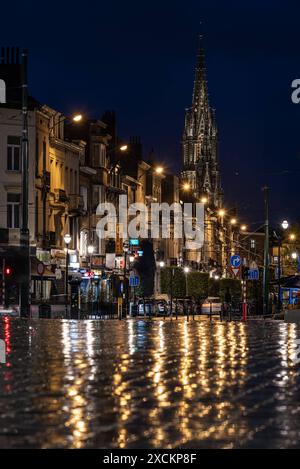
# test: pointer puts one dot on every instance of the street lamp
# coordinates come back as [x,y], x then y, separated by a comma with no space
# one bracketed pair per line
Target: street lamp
[90,251]
[222,213]
[243,227]
[292,237]
[294,256]
[162,264]
[186,186]
[125,291]
[77,118]
[204,200]
[233,221]
[285,224]
[67,240]
[186,271]
[159,170]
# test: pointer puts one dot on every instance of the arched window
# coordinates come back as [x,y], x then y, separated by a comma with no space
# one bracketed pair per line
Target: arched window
[2,92]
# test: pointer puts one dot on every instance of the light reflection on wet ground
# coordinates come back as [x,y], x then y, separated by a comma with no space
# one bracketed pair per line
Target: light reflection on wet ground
[133,384]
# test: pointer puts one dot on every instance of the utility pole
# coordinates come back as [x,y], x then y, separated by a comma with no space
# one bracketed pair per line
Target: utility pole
[25,282]
[266,254]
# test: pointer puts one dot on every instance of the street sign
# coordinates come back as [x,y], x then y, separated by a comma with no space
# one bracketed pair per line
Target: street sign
[134,281]
[236,261]
[253,274]
[134,242]
[40,269]
[235,271]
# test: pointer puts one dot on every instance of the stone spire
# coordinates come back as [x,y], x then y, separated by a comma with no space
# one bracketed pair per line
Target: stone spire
[200,139]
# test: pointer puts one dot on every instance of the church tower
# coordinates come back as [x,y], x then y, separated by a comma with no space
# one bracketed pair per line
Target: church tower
[201,172]
[200,141]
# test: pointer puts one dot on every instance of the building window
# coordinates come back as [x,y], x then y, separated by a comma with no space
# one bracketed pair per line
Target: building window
[13,154]
[99,155]
[252,243]
[13,210]
[84,195]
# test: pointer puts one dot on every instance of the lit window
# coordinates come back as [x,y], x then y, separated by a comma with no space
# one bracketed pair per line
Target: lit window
[253,243]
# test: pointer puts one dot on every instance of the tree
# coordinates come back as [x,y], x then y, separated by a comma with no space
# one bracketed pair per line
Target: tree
[146,267]
[178,281]
[198,285]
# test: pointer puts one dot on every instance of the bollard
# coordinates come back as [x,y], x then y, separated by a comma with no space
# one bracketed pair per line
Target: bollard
[245,305]
[2,352]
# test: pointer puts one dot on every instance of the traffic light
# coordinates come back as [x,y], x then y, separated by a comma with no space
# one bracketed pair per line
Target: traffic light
[8,271]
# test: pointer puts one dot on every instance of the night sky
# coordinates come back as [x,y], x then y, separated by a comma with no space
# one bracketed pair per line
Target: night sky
[138,58]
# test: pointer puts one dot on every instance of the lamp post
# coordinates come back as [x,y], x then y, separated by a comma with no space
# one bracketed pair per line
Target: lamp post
[90,251]
[266,253]
[284,226]
[25,241]
[204,201]
[67,240]
[125,289]
[186,271]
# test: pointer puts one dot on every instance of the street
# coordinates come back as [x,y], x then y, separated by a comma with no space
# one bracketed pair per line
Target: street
[149,384]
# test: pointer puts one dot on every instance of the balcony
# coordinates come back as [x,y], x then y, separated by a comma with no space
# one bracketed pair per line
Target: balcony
[60,196]
[76,203]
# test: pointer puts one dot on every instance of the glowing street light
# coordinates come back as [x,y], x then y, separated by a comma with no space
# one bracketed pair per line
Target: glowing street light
[233,221]
[67,239]
[292,237]
[77,118]
[124,148]
[186,270]
[162,264]
[243,227]
[295,256]
[90,250]
[186,186]
[204,200]
[285,224]
[159,170]
[222,212]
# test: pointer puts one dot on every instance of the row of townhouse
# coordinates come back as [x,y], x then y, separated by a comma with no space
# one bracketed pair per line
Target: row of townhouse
[73,167]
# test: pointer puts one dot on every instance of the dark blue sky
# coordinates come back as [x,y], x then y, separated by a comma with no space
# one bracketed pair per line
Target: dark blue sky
[138,57]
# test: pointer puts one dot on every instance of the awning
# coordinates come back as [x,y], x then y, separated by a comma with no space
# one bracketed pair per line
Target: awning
[290,282]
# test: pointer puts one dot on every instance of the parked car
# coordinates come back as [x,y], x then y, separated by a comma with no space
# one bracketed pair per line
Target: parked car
[152,307]
[161,307]
[212,305]
[145,308]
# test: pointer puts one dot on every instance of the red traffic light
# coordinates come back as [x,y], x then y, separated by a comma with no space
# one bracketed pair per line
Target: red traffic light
[8,271]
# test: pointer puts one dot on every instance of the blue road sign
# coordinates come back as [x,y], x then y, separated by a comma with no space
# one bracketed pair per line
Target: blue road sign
[235,261]
[134,242]
[134,281]
[253,274]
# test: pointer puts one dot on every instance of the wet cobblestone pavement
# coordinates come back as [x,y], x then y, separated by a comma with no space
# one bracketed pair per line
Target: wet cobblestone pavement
[149,384]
